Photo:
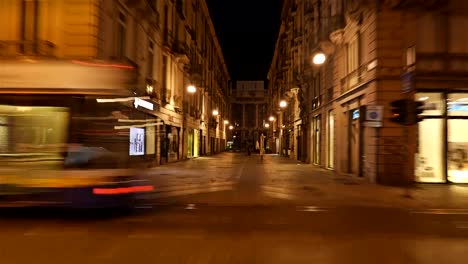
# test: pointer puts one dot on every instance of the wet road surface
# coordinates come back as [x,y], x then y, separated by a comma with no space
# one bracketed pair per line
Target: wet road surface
[242,224]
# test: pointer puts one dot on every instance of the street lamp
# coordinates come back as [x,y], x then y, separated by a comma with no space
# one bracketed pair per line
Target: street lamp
[283,104]
[231,128]
[215,112]
[191,89]
[319,58]
[272,118]
[267,125]
[226,122]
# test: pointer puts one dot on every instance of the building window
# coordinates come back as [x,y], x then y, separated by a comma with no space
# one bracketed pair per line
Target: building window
[29,26]
[457,152]
[410,56]
[153,5]
[352,52]
[316,139]
[433,103]
[331,139]
[166,23]
[121,35]
[429,157]
[150,59]
[457,105]
[165,66]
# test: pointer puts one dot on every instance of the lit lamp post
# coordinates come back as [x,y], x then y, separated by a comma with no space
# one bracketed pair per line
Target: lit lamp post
[319,58]
[283,104]
[191,89]
[214,119]
[225,133]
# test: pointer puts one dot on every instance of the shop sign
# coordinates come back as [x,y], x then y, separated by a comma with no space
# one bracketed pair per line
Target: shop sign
[407,82]
[137,141]
[374,113]
[373,124]
[143,103]
[355,114]
[374,116]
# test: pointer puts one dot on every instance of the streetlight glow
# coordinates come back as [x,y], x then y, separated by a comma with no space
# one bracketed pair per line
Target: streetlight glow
[191,89]
[231,128]
[215,112]
[319,58]
[272,118]
[283,104]
[226,122]
[267,125]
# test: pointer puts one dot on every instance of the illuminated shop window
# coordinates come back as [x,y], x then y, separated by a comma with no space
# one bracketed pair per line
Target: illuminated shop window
[433,103]
[457,151]
[457,104]
[429,165]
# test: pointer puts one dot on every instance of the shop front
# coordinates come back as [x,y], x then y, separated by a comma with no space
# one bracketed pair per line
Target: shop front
[442,146]
[192,143]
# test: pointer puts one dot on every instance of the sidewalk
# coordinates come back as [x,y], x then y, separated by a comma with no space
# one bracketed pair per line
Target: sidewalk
[315,186]
[193,176]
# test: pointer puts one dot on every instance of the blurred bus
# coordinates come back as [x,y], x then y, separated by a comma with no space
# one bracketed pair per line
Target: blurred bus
[60,142]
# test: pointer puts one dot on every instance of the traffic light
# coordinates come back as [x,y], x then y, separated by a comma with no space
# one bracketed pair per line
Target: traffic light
[406,112]
[414,110]
[399,111]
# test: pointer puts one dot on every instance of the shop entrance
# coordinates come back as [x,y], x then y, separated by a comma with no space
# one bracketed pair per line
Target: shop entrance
[442,151]
[354,146]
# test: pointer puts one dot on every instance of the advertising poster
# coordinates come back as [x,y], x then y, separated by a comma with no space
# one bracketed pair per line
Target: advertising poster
[137,141]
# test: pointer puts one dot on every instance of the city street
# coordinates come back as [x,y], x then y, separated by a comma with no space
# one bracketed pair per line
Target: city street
[234,208]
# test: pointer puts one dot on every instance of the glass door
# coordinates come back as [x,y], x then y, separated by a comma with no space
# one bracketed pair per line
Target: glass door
[457,151]
[331,139]
[457,138]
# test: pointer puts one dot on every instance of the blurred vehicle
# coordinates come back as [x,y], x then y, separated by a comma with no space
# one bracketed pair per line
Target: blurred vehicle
[60,141]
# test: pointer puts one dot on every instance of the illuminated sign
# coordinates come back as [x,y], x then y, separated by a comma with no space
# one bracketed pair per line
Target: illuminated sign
[458,107]
[355,114]
[137,141]
[143,103]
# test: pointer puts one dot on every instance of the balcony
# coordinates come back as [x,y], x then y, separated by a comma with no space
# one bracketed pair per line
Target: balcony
[353,79]
[182,51]
[40,48]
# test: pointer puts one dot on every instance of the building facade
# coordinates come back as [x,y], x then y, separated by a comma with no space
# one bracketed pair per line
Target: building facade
[375,52]
[171,44]
[249,113]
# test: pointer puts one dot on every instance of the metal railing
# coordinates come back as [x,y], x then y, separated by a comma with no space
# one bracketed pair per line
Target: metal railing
[353,79]
[27,48]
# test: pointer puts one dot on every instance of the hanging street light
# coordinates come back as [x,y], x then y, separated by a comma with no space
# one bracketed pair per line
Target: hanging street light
[191,89]
[319,58]
[283,104]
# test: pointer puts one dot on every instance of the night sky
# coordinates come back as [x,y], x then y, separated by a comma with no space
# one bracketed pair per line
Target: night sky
[247,31]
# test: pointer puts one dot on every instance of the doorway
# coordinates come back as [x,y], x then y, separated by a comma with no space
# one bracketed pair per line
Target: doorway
[354,146]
